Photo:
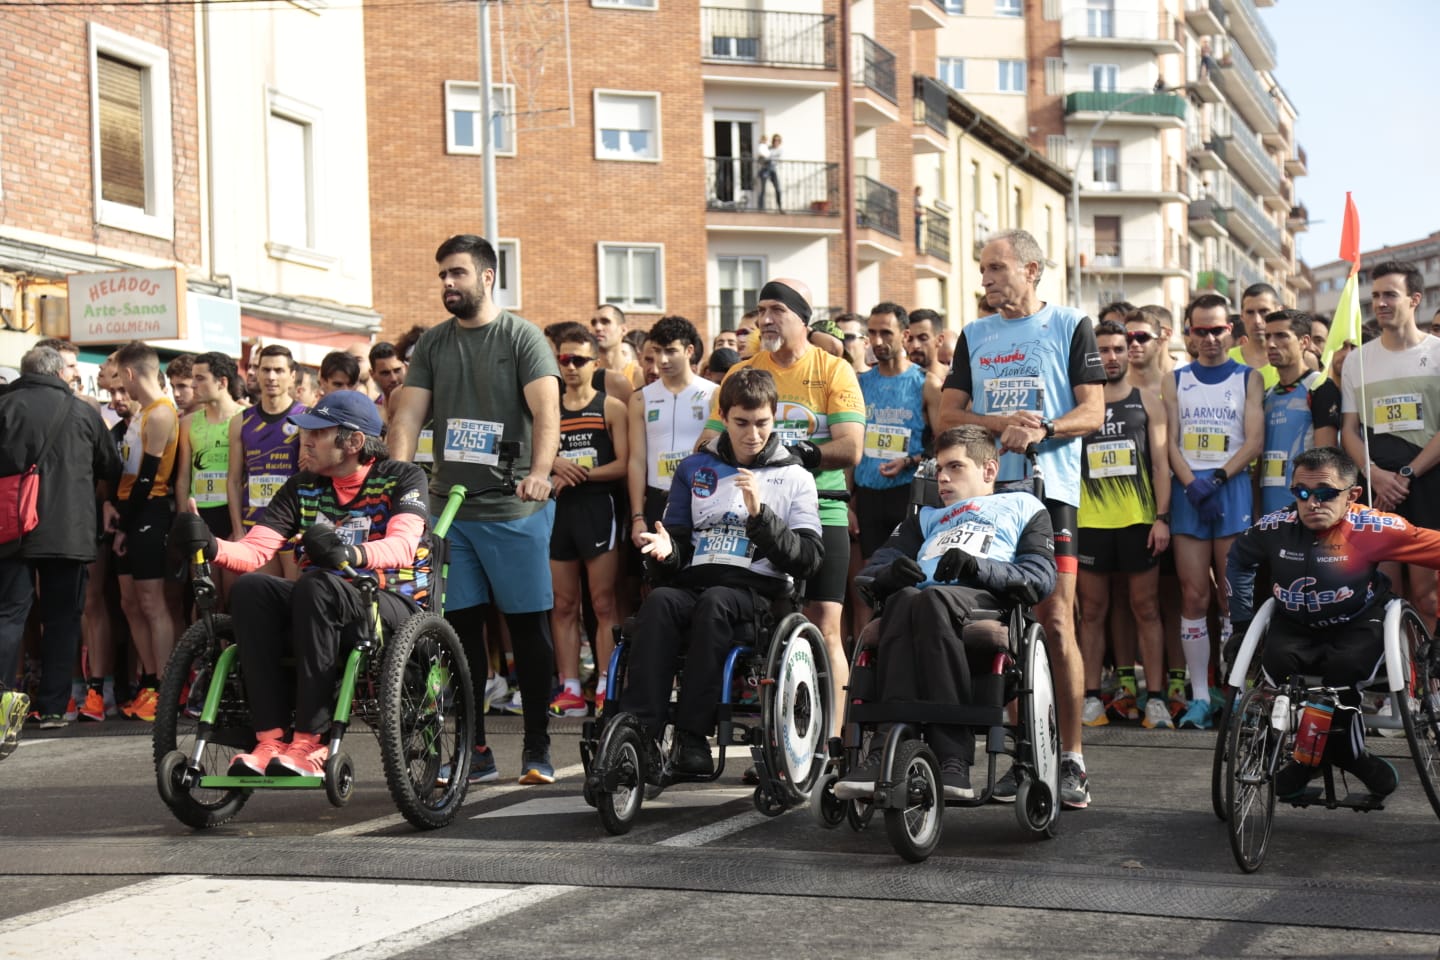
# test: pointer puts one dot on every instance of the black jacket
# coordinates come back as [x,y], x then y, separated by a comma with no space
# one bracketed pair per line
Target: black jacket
[81,453]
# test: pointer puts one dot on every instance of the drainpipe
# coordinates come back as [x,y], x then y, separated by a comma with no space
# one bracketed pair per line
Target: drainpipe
[847,158]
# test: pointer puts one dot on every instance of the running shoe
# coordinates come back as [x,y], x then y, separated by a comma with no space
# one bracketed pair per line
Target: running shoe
[955,779]
[72,712]
[599,696]
[482,769]
[1378,774]
[144,705]
[304,756]
[1196,716]
[1123,707]
[496,690]
[1094,713]
[1074,786]
[514,704]
[1157,715]
[1176,706]
[93,709]
[53,721]
[1387,710]
[1292,779]
[1005,788]
[860,782]
[567,704]
[535,767]
[257,762]
[14,707]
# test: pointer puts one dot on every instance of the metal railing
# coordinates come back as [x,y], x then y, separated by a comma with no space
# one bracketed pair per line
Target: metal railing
[1245,11]
[768,39]
[1236,65]
[877,206]
[1208,209]
[1247,209]
[1239,135]
[1113,24]
[932,103]
[1136,254]
[785,186]
[874,66]
[1134,178]
[932,234]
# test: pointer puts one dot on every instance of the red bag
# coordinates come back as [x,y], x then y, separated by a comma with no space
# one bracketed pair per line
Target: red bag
[19,495]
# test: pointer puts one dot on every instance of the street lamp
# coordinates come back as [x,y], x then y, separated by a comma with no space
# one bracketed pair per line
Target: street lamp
[1075,276]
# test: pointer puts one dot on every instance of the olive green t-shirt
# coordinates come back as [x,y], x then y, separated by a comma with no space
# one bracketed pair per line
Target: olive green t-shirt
[477,377]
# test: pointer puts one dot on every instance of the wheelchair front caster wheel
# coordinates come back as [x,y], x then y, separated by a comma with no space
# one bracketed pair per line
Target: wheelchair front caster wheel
[622,761]
[914,828]
[339,779]
[168,774]
[767,804]
[1035,808]
[825,808]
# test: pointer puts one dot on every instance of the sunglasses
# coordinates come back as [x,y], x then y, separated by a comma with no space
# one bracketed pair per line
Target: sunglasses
[1322,494]
[1203,332]
[850,338]
[743,332]
[576,360]
[1140,338]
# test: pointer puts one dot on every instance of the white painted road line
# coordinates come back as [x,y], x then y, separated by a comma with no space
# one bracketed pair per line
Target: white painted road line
[714,831]
[671,800]
[511,901]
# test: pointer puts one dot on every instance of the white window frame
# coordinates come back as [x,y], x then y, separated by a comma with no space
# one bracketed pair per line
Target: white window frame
[956,8]
[1109,152]
[157,218]
[600,152]
[1009,8]
[310,117]
[604,246]
[454,90]
[626,4]
[508,296]
[940,72]
[1008,70]
[1104,77]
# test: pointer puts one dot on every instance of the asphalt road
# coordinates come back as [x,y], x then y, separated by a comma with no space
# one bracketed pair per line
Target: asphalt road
[97,862]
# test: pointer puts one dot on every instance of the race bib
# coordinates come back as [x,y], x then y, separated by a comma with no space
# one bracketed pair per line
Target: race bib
[581,456]
[666,466]
[1113,458]
[1272,468]
[354,531]
[1013,394]
[792,435]
[1205,443]
[425,447]
[727,545]
[208,486]
[473,441]
[1398,413]
[885,442]
[263,487]
[974,539]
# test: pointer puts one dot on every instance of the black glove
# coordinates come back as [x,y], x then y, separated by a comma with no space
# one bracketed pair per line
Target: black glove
[903,572]
[1232,645]
[189,533]
[956,565]
[808,453]
[325,548]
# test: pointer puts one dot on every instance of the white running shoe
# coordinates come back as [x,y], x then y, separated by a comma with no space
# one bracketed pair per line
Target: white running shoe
[1094,713]
[1157,715]
[496,690]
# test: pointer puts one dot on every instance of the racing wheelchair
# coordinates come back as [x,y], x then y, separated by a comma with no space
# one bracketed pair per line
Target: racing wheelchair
[775,699]
[412,688]
[1006,647]
[1265,725]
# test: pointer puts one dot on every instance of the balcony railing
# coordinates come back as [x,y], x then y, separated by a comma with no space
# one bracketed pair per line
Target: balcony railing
[877,206]
[1152,104]
[1247,209]
[874,66]
[768,39]
[932,103]
[799,186]
[1116,24]
[933,233]
[1208,209]
[1228,145]
[1134,178]
[1251,28]
[1136,254]
[1212,280]
[1236,69]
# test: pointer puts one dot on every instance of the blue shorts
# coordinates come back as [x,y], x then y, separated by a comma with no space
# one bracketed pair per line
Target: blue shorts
[1237,511]
[506,562]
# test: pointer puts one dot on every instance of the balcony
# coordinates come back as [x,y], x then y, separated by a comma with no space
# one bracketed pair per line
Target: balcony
[1212,281]
[1248,30]
[1299,219]
[1121,29]
[873,72]
[1135,181]
[1208,219]
[808,195]
[877,207]
[1136,256]
[932,115]
[927,15]
[1295,163]
[1202,151]
[765,39]
[1249,94]
[1252,226]
[1206,16]
[932,242]
[1242,153]
[1127,107]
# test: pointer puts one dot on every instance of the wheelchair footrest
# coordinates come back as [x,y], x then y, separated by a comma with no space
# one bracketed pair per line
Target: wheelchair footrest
[261,783]
[1315,797]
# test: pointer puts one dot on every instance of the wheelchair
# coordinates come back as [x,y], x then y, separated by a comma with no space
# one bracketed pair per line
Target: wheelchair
[1007,650]
[412,689]
[775,699]
[1259,727]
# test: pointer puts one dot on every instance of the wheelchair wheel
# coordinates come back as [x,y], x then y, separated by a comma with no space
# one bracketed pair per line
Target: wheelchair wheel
[1039,746]
[1219,756]
[858,814]
[621,761]
[825,808]
[914,829]
[427,720]
[1249,783]
[795,707]
[182,695]
[339,779]
[1419,703]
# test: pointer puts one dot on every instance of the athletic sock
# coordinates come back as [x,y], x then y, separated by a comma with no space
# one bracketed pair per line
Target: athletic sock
[1195,641]
[1126,676]
[572,686]
[1092,693]
[1176,689]
[1077,758]
[97,684]
[149,681]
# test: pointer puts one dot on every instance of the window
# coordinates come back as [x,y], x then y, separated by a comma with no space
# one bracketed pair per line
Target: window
[1012,76]
[954,7]
[1048,240]
[627,126]
[1104,77]
[627,4]
[739,287]
[292,162]
[1008,8]
[1054,75]
[975,183]
[632,276]
[1107,241]
[1100,18]
[951,71]
[462,117]
[1019,210]
[996,192]
[507,274]
[1105,164]
[130,131]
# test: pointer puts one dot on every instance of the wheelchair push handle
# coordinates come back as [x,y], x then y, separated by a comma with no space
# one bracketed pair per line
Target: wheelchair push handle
[1032,467]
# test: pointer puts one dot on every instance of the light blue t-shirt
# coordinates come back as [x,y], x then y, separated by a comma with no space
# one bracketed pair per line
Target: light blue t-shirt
[1289,431]
[894,424]
[988,528]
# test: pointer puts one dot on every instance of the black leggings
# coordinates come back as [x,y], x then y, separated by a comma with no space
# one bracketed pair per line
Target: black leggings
[534,663]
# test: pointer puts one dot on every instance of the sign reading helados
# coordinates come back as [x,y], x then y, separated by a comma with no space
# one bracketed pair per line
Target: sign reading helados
[127,305]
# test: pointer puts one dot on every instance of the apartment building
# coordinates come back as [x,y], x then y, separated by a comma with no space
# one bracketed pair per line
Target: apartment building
[1329,278]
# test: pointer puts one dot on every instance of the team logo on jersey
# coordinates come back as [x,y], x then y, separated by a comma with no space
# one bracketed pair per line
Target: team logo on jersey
[289,429]
[703,483]
[1298,597]
[652,415]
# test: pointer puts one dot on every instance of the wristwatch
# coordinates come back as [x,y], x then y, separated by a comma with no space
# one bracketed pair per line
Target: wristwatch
[1163,518]
[1049,426]
[1406,472]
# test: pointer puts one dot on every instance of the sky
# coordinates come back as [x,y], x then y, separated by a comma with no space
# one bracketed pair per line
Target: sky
[1364,76]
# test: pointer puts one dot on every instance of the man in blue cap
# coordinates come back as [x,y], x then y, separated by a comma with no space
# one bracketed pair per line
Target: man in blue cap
[351,505]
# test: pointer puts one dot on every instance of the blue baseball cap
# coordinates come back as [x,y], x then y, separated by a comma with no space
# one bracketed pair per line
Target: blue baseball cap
[350,409]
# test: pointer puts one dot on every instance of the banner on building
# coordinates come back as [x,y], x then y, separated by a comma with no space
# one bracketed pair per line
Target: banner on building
[127,305]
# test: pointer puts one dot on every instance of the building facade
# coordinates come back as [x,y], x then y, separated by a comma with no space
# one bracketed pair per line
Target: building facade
[1329,278]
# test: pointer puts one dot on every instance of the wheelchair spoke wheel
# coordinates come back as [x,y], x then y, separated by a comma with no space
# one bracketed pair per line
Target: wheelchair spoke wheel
[427,720]
[182,694]
[1039,750]
[1249,779]
[795,707]
[1219,755]
[620,768]
[914,828]
[1419,702]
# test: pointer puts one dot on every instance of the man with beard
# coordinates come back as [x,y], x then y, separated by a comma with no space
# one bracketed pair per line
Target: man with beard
[1147,339]
[923,338]
[486,377]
